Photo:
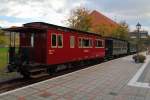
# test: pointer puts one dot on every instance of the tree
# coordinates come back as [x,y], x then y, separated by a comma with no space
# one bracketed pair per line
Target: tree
[102,30]
[2,32]
[2,42]
[122,31]
[2,39]
[80,19]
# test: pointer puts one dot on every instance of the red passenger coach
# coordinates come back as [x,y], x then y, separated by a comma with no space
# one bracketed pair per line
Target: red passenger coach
[45,48]
[72,46]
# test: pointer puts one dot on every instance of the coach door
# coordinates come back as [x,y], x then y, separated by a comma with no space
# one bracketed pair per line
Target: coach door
[40,47]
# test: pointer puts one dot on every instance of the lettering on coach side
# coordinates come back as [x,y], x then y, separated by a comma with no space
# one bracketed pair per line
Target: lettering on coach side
[85,51]
[51,52]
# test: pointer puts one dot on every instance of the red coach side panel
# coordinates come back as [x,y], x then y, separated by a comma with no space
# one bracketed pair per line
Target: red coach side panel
[69,49]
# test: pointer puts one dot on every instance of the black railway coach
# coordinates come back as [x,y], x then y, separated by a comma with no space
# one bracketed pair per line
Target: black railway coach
[115,47]
[132,48]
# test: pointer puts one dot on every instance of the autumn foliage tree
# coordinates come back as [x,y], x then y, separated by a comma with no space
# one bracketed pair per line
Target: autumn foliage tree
[122,31]
[80,19]
[102,30]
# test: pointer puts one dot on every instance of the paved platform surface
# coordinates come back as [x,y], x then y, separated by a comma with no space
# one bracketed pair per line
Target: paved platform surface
[145,77]
[106,81]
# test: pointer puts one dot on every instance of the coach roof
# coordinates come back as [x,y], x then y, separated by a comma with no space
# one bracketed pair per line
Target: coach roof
[47,25]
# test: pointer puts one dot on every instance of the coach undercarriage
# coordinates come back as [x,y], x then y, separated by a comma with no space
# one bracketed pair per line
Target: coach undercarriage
[38,70]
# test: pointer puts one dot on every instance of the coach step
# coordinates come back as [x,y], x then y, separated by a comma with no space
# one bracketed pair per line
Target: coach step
[39,75]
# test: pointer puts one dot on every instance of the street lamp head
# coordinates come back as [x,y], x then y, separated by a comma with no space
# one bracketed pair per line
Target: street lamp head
[138,26]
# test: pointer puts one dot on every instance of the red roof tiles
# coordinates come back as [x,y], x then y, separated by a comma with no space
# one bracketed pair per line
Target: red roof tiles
[99,19]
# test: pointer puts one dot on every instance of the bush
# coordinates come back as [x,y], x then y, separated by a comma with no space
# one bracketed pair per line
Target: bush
[139,58]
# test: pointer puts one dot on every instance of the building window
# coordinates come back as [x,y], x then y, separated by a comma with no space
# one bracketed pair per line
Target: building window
[53,40]
[99,43]
[60,40]
[72,41]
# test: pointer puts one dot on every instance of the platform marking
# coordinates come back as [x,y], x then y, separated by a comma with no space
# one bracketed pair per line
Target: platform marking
[133,81]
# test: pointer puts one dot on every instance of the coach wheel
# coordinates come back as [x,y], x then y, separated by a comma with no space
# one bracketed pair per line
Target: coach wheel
[69,65]
[51,70]
[25,74]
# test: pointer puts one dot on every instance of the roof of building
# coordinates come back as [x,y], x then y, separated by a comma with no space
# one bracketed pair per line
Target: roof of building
[100,19]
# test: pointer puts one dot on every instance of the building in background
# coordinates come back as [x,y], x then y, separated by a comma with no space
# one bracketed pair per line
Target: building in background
[142,34]
[100,21]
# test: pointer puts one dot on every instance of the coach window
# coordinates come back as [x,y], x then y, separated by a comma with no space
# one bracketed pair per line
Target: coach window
[32,40]
[53,40]
[60,40]
[80,42]
[91,43]
[72,41]
[99,43]
[86,43]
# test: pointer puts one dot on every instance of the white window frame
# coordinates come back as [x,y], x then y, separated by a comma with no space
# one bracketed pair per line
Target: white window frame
[62,40]
[91,46]
[89,43]
[101,41]
[51,40]
[72,37]
[32,40]
[80,46]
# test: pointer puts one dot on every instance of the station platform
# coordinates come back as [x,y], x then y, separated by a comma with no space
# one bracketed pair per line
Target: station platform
[112,80]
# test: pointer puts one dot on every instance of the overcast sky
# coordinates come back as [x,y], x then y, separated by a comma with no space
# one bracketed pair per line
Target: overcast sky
[17,12]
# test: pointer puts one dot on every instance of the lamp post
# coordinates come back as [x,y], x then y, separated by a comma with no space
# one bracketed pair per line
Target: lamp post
[138,27]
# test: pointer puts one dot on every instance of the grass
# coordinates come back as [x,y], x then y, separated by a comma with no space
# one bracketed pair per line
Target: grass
[4,40]
[3,64]
[3,57]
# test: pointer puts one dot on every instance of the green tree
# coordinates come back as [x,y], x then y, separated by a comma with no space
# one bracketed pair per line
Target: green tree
[80,19]
[2,39]
[2,42]
[122,31]
[2,32]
